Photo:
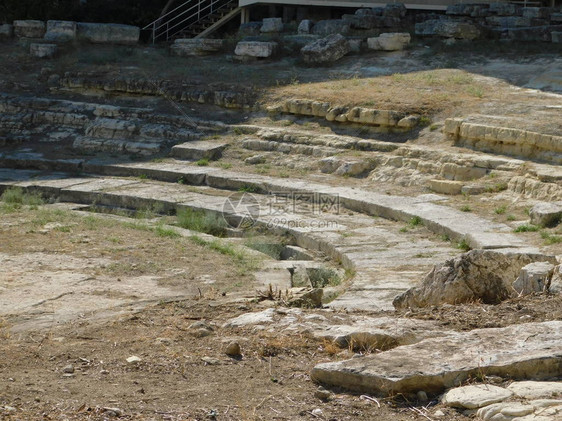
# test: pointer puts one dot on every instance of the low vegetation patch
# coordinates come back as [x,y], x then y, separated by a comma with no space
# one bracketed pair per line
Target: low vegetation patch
[197,220]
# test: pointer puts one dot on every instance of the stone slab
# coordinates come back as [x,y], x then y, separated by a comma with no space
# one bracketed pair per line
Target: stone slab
[198,150]
[532,350]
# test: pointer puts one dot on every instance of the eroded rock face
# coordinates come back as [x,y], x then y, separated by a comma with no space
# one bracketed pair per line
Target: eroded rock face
[530,350]
[477,275]
[326,50]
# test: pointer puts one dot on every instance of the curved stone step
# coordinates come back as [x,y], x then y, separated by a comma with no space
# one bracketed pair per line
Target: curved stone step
[478,232]
[373,249]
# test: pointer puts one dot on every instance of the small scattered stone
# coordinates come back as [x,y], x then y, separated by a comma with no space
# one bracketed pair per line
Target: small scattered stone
[256,159]
[317,412]
[210,361]
[104,372]
[438,414]
[69,369]
[233,350]
[422,396]
[133,359]
[323,394]
[113,412]
[9,408]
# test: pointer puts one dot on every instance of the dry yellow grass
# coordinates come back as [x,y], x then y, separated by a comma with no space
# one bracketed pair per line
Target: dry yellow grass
[424,92]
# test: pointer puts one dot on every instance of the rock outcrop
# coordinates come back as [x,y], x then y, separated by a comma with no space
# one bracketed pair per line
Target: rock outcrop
[479,275]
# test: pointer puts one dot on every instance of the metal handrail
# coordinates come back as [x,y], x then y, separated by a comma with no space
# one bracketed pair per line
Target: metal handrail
[166,23]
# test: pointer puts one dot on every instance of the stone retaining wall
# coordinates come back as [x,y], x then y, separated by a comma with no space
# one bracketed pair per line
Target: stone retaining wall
[388,119]
[504,140]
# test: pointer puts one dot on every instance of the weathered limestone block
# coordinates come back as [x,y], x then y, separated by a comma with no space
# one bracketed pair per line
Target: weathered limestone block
[475,396]
[546,214]
[29,28]
[6,31]
[457,172]
[448,29]
[108,33]
[305,26]
[374,117]
[255,49]
[43,50]
[60,31]
[518,351]
[484,275]
[355,168]
[196,47]
[329,27]
[272,25]
[446,186]
[534,277]
[389,41]
[326,50]
[198,150]
[306,107]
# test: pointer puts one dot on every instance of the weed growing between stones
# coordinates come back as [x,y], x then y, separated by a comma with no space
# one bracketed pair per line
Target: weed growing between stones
[526,228]
[245,263]
[550,239]
[208,223]
[463,245]
[15,198]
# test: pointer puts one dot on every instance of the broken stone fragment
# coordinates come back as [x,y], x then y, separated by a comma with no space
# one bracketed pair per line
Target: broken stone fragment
[485,275]
[546,214]
[534,277]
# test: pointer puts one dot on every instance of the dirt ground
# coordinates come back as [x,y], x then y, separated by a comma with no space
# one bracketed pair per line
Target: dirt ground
[181,375]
